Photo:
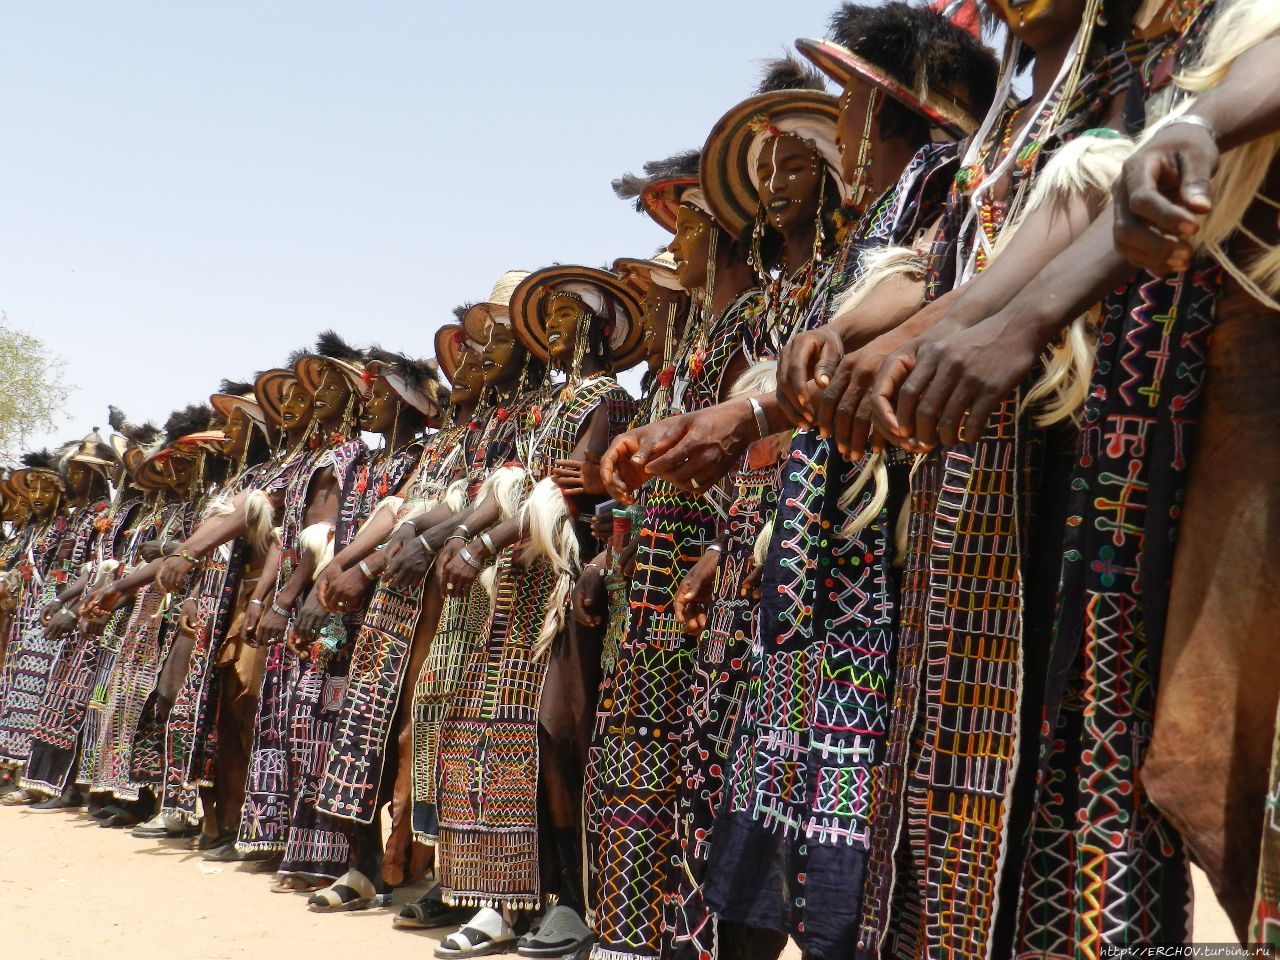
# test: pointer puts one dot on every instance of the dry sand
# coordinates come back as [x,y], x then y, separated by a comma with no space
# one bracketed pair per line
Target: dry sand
[69,888]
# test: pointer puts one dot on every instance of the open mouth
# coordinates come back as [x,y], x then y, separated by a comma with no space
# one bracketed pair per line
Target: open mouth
[778,204]
[553,339]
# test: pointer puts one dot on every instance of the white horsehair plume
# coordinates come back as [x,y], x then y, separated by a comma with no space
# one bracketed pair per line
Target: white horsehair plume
[316,542]
[507,486]
[760,549]
[877,267]
[259,515]
[455,495]
[548,526]
[1081,171]
[760,377]
[219,505]
[873,471]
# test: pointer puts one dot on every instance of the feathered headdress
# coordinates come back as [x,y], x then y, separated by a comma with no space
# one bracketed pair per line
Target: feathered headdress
[682,165]
[330,344]
[193,418]
[788,73]
[235,388]
[142,435]
[44,459]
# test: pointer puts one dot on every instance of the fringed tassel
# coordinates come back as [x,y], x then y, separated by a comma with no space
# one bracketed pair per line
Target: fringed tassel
[388,507]
[455,496]
[219,505]
[259,516]
[760,550]
[760,377]
[488,579]
[1063,387]
[316,541]
[548,526]
[106,570]
[553,621]
[507,486]
[874,471]
[877,267]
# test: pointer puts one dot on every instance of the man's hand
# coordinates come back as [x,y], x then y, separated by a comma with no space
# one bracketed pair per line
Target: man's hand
[410,565]
[1162,196]
[589,600]
[693,596]
[950,385]
[311,617]
[345,592]
[805,368]
[173,571]
[252,618]
[579,477]
[271,628]
[60,624]
[690,452]
[456,575]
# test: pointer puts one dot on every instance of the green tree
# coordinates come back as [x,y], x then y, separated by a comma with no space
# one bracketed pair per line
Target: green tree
[32,392]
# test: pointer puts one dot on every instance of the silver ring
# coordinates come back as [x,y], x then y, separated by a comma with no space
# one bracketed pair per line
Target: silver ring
[342,605]
[449,585]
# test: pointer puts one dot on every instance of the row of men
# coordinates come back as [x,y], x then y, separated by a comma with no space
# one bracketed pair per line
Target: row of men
[919,608]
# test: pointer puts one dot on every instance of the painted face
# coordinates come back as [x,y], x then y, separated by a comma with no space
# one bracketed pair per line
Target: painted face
[379,412]
[1038,23]
[563,314]
[500,363]
[20,511]
[178,471]
[332,395]
[296,410]
[469,380]
[78,481]
[858,170]
[691,246]
[790,177]
[237,431]
[43,495]
[658,309]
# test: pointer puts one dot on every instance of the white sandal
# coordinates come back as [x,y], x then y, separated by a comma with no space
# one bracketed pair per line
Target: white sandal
[485,933]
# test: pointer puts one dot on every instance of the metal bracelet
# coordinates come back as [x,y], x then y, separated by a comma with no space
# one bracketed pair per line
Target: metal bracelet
[1195,121]
[762,422]
[364,568]
[591,563]
[488,543]
[455,536]
[718,548]
[276,608]
[469,560]
[182,554]
[426,545]
[257,601]
[466,531]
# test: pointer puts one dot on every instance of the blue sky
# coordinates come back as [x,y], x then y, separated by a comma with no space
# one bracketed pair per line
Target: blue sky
[190,191]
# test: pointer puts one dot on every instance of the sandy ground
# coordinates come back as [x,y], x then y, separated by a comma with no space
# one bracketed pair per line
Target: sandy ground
[71,889]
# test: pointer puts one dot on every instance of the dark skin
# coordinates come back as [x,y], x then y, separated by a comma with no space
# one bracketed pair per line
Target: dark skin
[1164,191]
[295,418]
[664,310]
[456,575]
[500,363]
[789,177]
[384,413]
[884,156]
[826,377]
[331,400]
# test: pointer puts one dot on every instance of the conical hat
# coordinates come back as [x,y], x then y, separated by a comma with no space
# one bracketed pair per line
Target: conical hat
[620,305]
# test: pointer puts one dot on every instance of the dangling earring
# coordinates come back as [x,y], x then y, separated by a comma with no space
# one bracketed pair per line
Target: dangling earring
[348,425]
[709,288]
[819,237]
[582,335]
[756,258]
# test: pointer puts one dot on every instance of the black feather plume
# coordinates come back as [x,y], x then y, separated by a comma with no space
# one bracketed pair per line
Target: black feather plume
[629,186]
[235,388]
[906,41]
[417,373]
[330,344]
[141,434]
[190,419]
[788,73]
[115,418]
[461,310]
[40,459]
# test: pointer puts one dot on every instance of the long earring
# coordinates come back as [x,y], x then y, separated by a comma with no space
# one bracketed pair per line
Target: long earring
[709,288]
[756,260]
[819,237]
[581,336]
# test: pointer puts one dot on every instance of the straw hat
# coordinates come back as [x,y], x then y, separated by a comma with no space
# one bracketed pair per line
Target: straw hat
[452,344]
[618,304]
[94,452]
[414,381]
[931,62]
[728,167]
[37,463]
[497,308]
[666,185]
[332,353]
[643,274]
[233,396]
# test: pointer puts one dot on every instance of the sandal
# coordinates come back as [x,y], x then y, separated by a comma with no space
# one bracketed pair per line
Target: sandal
[485,933]
[18,798]
[295,884]
[351,891]
[562,933]
[429,912]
